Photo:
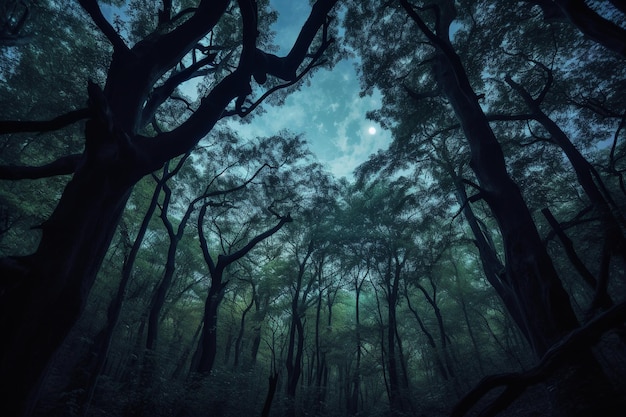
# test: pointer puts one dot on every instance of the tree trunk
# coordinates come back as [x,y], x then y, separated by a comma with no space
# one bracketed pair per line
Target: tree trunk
[397,397]
[431,340]
[207,347]
[241,331]
[352,395]
[271,390]
[102,341]
[597,193]
[541,299]
[47,291]
[494,270]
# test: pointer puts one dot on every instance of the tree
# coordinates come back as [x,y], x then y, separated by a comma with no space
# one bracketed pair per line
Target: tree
[592,22]
[44,293]
[439,69]
[207,347]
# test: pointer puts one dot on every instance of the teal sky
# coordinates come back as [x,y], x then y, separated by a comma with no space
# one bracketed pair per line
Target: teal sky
[331,116]
[328,111]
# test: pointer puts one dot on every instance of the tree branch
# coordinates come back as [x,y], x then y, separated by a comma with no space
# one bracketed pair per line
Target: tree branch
[165,15]
[601,30]
[419,96]
[63,166]
[225,260]
[16,126]
[556,357]
[235,85]
[92,8]
[162,92]
[508,117]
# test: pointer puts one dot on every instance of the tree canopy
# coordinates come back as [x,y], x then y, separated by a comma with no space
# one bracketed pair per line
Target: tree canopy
[155,260]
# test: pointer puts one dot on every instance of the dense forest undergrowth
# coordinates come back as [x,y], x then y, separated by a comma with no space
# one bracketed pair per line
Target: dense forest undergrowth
[157,262]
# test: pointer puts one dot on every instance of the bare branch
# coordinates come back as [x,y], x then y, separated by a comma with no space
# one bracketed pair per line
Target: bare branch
[234,86]
[15,126]
[244,112]
[62,166]
[162,92]
[92,8]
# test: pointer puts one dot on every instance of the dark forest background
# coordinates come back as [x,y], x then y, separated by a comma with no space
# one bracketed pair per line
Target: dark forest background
[156,263]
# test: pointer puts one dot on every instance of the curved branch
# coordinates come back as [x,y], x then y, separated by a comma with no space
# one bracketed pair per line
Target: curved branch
[557,356]
[162,92]
[596,27]
[225,260]
[234,86]
[419,96]
[92,8]
[244,112]
[62,166]
[16,126]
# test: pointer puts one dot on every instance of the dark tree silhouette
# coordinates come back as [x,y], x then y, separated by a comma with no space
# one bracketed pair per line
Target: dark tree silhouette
[43,294]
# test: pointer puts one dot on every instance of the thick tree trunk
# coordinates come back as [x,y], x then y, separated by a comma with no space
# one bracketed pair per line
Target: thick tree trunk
[531,276]
[541,299]
[494,270]
[597,193]
[102,341]
[49,289]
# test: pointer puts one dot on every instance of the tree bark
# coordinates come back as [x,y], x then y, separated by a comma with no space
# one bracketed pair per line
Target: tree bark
[43,294]
[207,347]
[295,346]
[271,390]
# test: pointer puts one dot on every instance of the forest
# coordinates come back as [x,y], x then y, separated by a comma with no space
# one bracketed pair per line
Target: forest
[155,261]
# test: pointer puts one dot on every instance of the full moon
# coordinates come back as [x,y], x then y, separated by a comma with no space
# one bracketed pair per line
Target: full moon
[371,130]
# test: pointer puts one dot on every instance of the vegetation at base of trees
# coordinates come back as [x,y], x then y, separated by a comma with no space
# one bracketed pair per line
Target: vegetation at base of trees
[156,263]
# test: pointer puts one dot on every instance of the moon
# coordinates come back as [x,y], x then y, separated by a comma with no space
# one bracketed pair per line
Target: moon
[371,130]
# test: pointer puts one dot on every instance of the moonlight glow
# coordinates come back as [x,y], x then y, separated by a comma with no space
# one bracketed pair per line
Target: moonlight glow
[371,130]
